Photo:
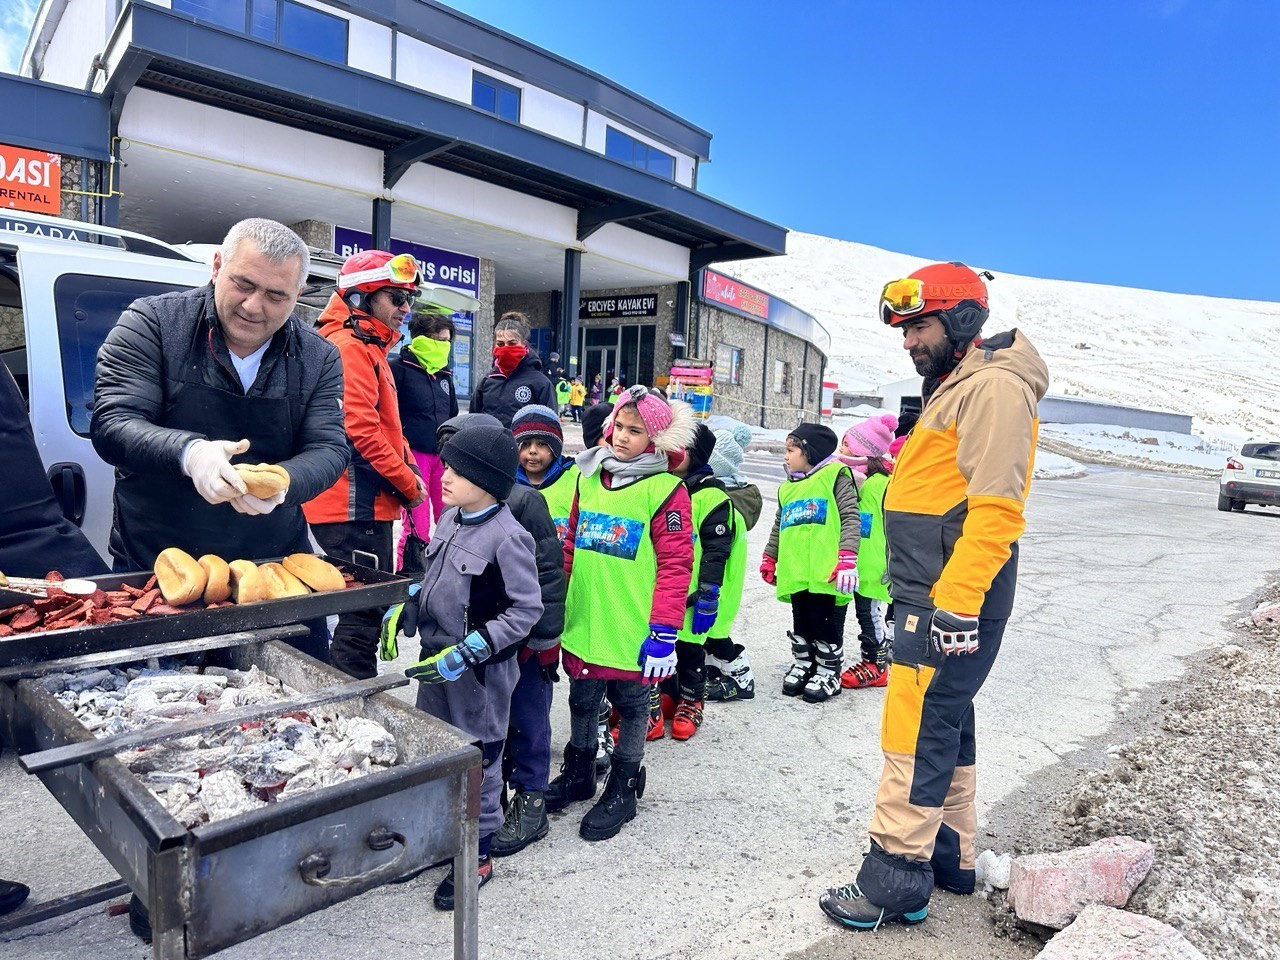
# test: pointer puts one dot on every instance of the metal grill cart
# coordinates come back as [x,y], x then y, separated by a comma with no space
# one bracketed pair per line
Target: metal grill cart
[224,882]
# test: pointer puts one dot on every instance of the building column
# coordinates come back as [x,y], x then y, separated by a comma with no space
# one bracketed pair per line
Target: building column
[569,311]
[381,227]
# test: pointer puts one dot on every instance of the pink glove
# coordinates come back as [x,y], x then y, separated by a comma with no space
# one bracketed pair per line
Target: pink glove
[845,575]
[769,570]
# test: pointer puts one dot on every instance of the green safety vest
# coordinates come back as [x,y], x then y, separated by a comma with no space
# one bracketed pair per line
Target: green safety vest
[562,392]
[559,499]
[809,534]
[703,501]
[873,579]
[615,570]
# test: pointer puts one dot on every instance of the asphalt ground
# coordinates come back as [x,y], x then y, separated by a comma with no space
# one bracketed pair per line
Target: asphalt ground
[1124,574]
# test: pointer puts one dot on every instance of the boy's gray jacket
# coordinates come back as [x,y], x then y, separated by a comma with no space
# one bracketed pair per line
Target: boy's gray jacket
[482,577]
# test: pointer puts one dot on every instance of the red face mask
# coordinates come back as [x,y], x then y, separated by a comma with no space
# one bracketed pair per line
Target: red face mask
[508,357]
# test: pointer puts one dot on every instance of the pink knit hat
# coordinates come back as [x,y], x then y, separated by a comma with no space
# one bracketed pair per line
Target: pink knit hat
[670,424]
[871,438]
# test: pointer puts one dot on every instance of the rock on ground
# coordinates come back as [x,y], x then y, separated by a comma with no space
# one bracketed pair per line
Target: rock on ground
[1052,888]
[1105,933]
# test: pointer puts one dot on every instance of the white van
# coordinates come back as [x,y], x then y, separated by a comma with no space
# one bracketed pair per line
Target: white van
[63,285]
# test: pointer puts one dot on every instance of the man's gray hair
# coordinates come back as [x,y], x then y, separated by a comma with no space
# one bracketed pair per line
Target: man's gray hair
[515,322]
[274,241]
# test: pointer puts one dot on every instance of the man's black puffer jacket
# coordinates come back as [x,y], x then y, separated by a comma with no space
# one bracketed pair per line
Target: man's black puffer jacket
[503,396]
[155,334]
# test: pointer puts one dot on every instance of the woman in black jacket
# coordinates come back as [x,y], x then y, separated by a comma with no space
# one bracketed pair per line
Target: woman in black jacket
[426,398]
[517,379]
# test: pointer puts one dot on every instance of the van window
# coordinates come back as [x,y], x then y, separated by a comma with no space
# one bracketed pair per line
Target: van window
[13,352]
[87,308]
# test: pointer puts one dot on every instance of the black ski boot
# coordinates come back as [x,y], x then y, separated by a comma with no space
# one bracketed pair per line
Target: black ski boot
[577,780]
[618,804]
[802,668]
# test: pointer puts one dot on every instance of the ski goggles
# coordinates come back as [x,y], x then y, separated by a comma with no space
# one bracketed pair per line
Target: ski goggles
[908,296]
[402,268]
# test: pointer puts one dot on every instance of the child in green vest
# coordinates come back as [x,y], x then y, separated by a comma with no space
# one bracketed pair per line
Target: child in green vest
[865,449]
[714,536]
[729,675]
[812,558]
[628,552]
[562,397]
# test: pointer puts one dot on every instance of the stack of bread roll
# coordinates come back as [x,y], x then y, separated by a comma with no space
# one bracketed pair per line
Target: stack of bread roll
[182,579]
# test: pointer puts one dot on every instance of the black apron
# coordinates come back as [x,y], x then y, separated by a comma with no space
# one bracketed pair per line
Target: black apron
[155,511]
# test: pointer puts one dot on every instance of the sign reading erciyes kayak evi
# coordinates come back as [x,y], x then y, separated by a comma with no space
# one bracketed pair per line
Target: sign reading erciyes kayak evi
[441,268]
[30,180]
[608,308]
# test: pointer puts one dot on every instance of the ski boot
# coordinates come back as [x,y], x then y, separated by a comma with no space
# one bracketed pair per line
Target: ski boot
[866,673]
[801,670]
[686,720]
[605,738]
[825,681]
[661,709]
[733,682]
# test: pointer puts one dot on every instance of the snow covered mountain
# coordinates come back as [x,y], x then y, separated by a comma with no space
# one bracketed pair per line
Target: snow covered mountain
[1216,359]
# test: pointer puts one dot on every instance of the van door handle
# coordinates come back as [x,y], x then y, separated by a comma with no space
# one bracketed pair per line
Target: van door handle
[68,484]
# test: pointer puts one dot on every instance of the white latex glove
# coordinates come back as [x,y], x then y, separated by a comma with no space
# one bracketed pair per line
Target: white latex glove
[256,506]
[208,464]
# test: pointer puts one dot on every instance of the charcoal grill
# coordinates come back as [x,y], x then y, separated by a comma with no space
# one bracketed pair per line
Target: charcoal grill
[225,882]
[372,588]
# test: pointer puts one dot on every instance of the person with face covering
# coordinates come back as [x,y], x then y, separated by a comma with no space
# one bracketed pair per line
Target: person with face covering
[426,398]
[517,379]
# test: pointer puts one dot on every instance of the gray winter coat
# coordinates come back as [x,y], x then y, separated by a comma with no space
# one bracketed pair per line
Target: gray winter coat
[479,576]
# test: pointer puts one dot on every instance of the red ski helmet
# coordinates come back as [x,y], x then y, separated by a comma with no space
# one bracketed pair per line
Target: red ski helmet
[951,291]
[371,270]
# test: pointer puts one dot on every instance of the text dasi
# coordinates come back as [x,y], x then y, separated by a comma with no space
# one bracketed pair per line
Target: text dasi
[33,173]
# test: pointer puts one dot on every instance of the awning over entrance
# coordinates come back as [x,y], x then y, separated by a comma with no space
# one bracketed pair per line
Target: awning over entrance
[158,49]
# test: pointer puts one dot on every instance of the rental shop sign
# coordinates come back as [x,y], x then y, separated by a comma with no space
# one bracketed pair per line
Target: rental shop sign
[441,268]
[30,180]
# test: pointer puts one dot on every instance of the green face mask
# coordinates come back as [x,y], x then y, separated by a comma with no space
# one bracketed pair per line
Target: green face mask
[433,354]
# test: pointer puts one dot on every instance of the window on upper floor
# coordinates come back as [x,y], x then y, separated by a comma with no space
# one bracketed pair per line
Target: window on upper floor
[290,24]
[624,147]
[493,96]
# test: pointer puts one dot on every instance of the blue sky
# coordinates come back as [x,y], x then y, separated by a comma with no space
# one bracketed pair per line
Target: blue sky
[1133,142]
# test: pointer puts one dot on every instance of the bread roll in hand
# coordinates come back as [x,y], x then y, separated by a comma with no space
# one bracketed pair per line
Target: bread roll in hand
[263,480]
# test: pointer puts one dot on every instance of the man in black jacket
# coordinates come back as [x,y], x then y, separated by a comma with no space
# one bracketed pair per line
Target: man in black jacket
[187,381]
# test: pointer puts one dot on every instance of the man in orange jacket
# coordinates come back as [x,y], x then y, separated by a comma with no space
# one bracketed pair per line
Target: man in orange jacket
[953,513]
[352,520]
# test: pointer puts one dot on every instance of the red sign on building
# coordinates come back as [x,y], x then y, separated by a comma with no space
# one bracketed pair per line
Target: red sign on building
[735,294]
[30,180]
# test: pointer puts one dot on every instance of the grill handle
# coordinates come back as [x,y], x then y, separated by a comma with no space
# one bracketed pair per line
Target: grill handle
[315,867]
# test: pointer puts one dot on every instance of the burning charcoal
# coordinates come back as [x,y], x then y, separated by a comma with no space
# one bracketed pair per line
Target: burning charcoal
[224,795]
[167,686]
[370,739]
[84,680]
